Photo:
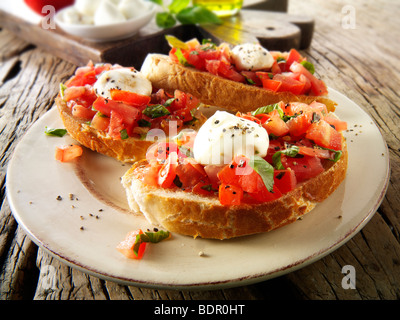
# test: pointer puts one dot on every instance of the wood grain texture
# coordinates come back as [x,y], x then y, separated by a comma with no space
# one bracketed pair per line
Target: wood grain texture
[361,63]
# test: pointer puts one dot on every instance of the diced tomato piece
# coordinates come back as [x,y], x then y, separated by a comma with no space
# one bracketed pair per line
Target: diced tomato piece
[318,87]
[318,107]
[270,84]
[150,174]
[212,173]
[300,124]
[275,125]
[167,173]
[336,122]
[71,93]
[126,246]
[324,135]
[227,175]
[265,196]
[315,152]
[68,153]
[289,84]
[195,60]
[131,98]
[248,117]
[230,195]
[251,183]
[208,54]
[295,108]
[189,175]
[251,78]
[79,111]
[100,122]
[116,125]
[304,167]
[205,188]
[275,69]
[226,70]
[161,151]
[285,180]
[212,66]
[127,112]
[293,56]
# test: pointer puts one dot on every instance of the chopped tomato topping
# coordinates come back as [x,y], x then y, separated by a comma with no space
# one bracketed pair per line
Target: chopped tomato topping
[126,246]
[68,153]
[230,195]
[287,73]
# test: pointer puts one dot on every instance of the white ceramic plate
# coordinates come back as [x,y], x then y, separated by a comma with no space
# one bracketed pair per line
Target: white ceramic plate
[35,179]
[111,32]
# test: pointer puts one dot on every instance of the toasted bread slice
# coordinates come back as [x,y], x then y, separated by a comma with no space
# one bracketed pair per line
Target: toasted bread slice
[126,150]
[214,90]
[194,215]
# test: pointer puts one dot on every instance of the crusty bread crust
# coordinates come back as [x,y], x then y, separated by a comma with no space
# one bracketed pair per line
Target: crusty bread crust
[194,215]
[214,90]
[126,150]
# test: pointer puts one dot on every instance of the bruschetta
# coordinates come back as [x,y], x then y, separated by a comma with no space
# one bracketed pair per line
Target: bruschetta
[111,109]
[242,78]
[242,173]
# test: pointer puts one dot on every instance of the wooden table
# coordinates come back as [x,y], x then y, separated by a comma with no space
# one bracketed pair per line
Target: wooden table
[357,57]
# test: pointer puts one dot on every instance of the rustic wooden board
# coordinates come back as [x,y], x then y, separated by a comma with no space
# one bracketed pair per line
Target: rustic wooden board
[275,31]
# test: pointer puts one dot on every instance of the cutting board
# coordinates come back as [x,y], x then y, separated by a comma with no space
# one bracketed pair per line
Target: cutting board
[273,30]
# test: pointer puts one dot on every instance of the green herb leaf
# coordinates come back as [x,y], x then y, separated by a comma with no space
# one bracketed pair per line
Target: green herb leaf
[62,89]
[174,42]
[181,58]
[144,123]
[268,109]
[178,5]
[165,20]
[195,14]
[292,151]
[55,132]
[124,134]
[152,237]
[159,2]
[337,153]
[156,111]
[265,170]
[309,66]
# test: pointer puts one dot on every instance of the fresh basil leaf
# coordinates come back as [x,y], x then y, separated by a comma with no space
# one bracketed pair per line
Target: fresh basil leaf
[197,15]
[265,170]
[174,42]
[156,111]
[62,89]
[169,102]
[337,153]
[165,20]
[268,109]
[159,2]
[292,151]
[152,237]
[181,58]
[144,123]
[178,5]
[309,66]
[124,134]
[155,237]
[280,59]
[55,132]
[208,187]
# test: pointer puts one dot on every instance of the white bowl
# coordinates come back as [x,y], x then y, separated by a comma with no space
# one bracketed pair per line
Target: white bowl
[110,32]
